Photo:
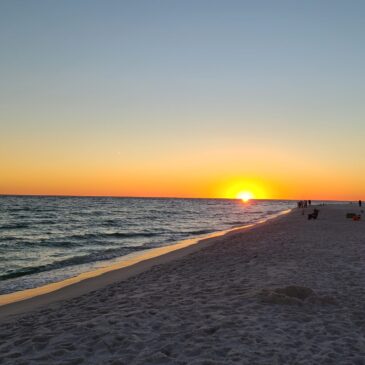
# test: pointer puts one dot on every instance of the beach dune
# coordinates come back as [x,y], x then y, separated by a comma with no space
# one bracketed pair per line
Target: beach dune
[289,291]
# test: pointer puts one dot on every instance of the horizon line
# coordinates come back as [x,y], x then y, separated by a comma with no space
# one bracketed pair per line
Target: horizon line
[155,197]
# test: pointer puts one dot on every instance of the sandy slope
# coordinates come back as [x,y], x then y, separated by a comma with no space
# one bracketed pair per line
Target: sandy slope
[288,292]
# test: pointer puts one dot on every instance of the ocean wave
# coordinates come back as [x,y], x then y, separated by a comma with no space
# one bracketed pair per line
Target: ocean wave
[236,223]
[76,260]
[6,239]
[75,240]
[200,231]
[110,223]
[19,209]
[69,232]
[47,221]
[113,235]
[14,226]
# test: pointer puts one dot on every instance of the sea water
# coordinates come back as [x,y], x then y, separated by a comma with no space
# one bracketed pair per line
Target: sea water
[47,239]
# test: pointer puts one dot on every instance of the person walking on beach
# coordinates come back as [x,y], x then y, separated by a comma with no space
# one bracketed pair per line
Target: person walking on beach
[360,203]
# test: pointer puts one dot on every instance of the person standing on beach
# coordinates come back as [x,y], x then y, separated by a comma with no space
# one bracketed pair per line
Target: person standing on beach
[360,202]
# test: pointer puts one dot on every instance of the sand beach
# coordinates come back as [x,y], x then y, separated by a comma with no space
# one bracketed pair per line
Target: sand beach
[288,291]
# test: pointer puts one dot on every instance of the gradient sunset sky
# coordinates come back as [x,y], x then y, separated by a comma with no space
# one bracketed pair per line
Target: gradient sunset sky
[183,98]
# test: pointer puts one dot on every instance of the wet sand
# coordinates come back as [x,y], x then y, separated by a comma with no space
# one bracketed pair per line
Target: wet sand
[290,291]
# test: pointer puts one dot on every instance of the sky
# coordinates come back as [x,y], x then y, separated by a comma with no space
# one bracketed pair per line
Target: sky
[183,98]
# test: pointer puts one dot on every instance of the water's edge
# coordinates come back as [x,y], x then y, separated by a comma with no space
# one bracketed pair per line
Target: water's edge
[125,262]
[46,240]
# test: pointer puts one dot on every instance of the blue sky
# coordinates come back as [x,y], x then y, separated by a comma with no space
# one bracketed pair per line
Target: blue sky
[149,78]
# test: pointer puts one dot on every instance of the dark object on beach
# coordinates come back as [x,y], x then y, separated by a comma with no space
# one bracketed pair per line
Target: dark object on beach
[309,202]
[360,202]
[353,216]
[313,215]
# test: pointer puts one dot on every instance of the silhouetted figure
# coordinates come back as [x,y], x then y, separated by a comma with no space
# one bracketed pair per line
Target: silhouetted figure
[310,202]
[313,215]
[360,202]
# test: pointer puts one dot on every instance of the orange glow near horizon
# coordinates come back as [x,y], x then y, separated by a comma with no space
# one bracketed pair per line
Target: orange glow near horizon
[143,184]
[180,175]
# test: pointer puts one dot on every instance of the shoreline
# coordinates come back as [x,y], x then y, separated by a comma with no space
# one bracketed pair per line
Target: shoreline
[31,299]
[288,291]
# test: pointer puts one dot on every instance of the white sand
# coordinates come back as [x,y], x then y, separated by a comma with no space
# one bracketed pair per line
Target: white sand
[288,292]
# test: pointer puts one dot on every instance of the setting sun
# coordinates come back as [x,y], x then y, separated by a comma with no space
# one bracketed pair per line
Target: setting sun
[245,196]
[244,188]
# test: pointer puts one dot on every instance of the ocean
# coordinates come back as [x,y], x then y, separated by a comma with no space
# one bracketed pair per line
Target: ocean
[46,239]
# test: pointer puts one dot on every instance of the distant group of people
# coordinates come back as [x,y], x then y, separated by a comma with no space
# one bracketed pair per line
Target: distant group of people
[304,203]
